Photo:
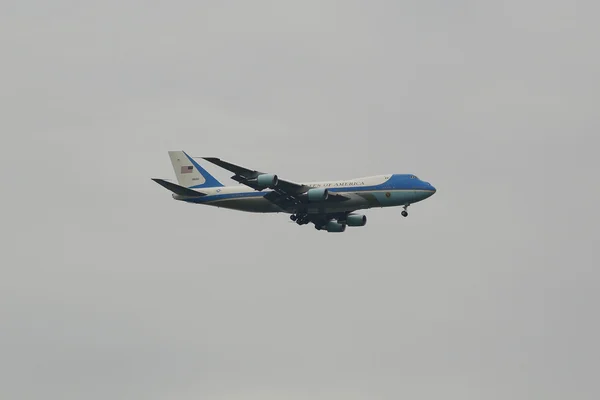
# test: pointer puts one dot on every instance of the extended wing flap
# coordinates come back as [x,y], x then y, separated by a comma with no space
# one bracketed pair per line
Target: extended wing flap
[291,187]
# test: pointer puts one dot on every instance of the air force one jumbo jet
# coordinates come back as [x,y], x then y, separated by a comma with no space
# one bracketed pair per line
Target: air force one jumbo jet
[330,206]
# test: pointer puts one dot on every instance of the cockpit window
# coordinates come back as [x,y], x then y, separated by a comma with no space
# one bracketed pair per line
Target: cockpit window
[413,177]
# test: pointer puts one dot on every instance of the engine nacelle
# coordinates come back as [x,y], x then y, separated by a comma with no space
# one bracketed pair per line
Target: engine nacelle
[267,181]
[317,194]
[334,226]
[356,220]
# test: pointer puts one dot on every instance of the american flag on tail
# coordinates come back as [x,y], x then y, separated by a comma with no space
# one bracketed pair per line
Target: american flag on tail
[187,170]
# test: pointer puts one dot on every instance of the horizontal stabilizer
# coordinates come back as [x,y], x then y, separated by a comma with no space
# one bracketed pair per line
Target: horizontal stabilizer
[180,190]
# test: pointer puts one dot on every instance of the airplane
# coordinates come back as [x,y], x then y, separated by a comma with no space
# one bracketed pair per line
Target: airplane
[330,206]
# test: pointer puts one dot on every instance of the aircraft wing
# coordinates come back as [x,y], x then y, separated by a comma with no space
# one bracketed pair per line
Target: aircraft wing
[285,193]
[245,176]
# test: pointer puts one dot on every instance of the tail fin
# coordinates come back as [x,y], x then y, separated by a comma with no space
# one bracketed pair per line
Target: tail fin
[189,173]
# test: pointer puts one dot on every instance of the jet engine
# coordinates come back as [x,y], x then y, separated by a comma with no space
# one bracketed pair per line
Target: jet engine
[267,181]
[334,226]
[317,194]
[356,220]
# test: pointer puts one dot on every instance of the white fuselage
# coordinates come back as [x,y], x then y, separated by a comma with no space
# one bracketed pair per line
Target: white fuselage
[376,191]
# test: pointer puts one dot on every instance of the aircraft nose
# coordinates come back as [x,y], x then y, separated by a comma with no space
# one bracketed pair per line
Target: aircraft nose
[429,187]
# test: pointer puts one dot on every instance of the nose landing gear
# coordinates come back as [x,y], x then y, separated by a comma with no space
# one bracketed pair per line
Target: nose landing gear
[405,213]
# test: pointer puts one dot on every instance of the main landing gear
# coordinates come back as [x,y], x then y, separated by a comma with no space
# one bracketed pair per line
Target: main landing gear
[300,219]
[405,213]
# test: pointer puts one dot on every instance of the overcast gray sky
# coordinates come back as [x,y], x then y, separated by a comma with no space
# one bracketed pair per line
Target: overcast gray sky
[110,289]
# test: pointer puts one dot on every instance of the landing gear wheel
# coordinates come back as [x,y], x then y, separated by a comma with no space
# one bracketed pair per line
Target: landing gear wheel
[404,213]
[300,218]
